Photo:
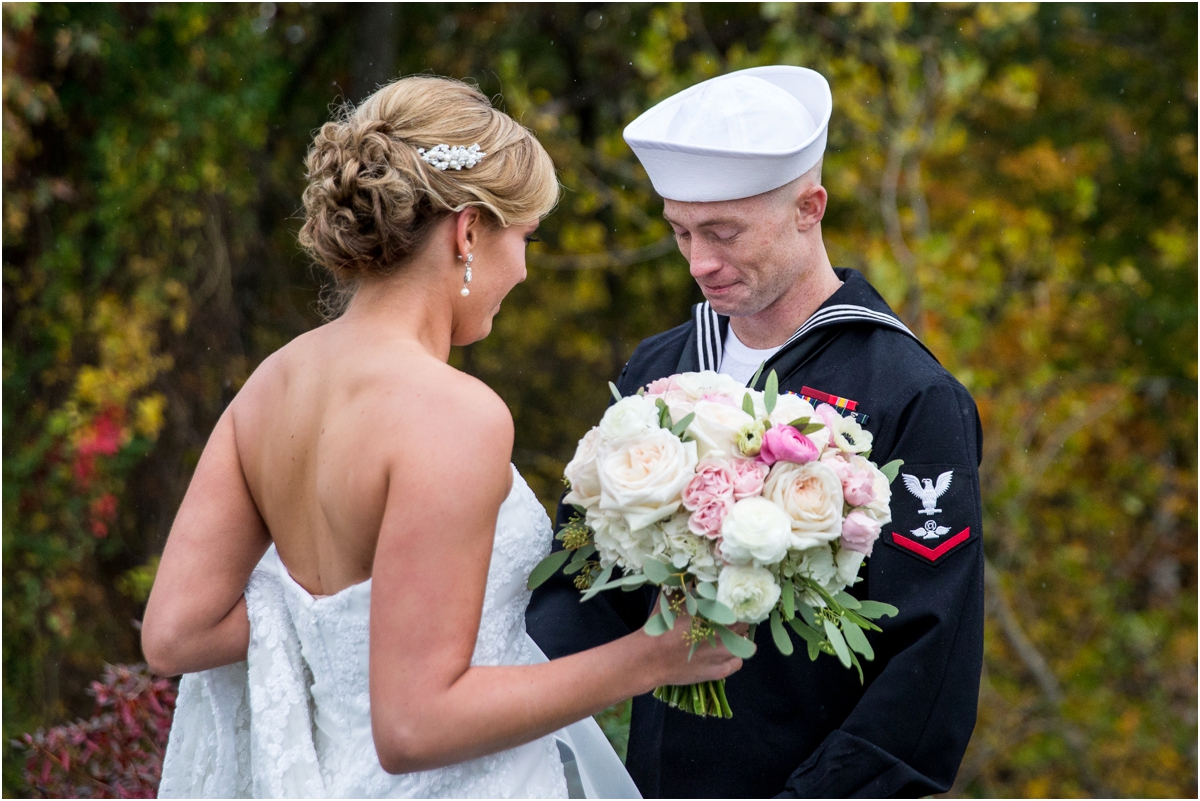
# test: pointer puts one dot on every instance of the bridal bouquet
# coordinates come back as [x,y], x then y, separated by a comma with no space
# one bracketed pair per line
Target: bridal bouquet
[741,506]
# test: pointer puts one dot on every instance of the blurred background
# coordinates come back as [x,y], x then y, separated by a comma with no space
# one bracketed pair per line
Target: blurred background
[1018,180]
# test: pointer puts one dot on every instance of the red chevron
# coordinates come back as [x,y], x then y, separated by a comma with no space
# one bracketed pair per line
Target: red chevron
[932,554]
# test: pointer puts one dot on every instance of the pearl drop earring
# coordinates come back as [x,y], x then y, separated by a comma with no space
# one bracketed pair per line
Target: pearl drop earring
[467,277]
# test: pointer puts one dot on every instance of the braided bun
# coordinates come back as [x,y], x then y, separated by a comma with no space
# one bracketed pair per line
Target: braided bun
[371,200]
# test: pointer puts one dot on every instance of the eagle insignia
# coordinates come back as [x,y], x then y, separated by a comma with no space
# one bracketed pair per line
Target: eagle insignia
[927,493]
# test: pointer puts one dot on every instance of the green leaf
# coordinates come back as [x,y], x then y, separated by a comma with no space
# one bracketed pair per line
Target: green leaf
[799,423]
[641,392]
[598,583]
[546,568]
[656,571]
[892,469]
[847,600]
[856,639]
[582,511]
[716,611]
[859,620]
[738,645]
[692,650]
[782,641]
[757,374]
[665,610]
[811,428]
[682,425]
[690,602]
[585,551]
[748,404]
[574,566]
[857,666]
[810,635]
[771,392]
[806,612]
[706,589]
[876,609]
[814,650]
[656,626]
[635,580]
[616,393]
[838,642]
[789,599]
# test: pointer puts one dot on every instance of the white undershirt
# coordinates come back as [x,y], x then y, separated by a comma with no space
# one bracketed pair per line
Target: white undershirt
[741,362]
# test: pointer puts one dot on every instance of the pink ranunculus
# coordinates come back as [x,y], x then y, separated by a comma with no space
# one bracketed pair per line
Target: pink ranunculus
[714,480]
[859,532]
[661,386]
[858,485]
[748,479]
[717,397]
[706,521]
[786,444]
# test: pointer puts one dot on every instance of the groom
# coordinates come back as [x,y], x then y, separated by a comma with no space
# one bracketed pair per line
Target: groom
[737,160]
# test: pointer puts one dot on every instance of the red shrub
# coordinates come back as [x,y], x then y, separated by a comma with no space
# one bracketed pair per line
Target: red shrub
[118,752]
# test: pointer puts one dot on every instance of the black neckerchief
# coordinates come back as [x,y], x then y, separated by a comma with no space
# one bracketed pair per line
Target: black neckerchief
[855,302]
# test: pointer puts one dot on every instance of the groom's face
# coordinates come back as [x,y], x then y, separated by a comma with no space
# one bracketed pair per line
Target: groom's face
[745,254]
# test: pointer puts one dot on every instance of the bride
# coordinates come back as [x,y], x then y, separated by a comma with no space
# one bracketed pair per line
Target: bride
[345,580]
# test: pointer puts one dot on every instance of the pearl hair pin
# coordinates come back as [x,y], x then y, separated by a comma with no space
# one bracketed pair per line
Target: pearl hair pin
[446,157]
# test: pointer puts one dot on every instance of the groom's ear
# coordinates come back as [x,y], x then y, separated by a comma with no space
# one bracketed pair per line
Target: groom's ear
[810,206]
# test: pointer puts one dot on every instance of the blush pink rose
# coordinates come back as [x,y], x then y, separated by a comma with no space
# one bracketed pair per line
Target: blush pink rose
[725,400]
[858,485]
[748,478]
[859,533]
[786,444]
[661,386]
[706,521]
[829,418]
[714,481]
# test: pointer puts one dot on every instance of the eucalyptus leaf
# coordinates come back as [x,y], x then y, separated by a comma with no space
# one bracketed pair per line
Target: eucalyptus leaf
[716,611]
[806,612]
[857,640]
[682,425]
[806,631]
[574,566]
[635,580]
[598,583]
[782,641]
[546,568]
[616,393]
[789,599]
[799,423]
[811,428]
[814,650]
[656,626]
[664,606]
[581,510]
[757,374]
[876,609]
[748,404]
[771,392]
[859,620]
[706,589]
[838,642]
[892,469]
[847,600]
[585,551]
[656,571]
[691,604]
[738,645]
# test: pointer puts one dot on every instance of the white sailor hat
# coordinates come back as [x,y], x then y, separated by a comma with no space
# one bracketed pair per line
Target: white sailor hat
[736,135]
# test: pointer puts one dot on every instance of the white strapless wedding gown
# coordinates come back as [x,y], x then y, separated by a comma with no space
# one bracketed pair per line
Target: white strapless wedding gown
[294,719]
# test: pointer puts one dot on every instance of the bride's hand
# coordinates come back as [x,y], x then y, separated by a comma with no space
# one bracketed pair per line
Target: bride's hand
[711,660]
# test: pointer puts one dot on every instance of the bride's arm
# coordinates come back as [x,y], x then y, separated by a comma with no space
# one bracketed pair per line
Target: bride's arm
[196,616]
[429,706]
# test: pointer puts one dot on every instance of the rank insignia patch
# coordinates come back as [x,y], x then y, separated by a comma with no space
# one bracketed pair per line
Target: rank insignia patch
[936,514]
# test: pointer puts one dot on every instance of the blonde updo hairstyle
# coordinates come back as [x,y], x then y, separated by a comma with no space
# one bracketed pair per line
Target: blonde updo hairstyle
[371,200]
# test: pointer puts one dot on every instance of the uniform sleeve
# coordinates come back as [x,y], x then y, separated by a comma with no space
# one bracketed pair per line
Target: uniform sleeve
[907,735]
[556,619]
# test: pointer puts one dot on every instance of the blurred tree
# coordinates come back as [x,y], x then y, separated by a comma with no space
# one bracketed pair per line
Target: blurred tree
[1019,181]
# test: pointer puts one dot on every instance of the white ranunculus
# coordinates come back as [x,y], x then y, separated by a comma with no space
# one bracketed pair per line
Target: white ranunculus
[716,427]
[751,592]
[617,543]
[709,382]
[850,437]
[582,472]
[755,531]
[791,407]
[629,417]
[641,477]
[811,496]
[687,550]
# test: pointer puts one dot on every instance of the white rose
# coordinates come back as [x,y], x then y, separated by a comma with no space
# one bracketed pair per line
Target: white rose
[848,563]
[716,429]
[811,496]
[617,543]
[792,407]
[629,417]
[710,382]
[582,471]
[755,530]
[642,477]
[879,509]
[850,437]
[751,592]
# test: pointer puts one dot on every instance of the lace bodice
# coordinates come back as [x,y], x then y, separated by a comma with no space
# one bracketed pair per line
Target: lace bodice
[294,719]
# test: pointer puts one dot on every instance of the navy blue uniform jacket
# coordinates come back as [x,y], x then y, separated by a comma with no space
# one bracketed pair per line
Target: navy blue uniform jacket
[808,729]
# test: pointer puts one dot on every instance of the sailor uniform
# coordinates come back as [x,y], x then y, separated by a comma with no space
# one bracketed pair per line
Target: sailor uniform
[804,728]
